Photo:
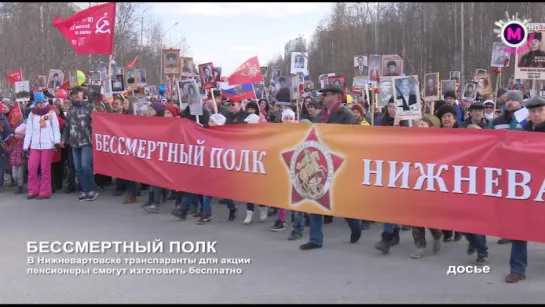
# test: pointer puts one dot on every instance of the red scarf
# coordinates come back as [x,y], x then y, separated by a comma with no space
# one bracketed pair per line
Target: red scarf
[326,113]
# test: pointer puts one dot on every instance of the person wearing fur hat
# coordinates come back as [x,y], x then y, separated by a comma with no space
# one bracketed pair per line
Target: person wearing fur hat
[450,98]
[519,249]
[42,139]
[507,120]
[333,113]
[447,115]
[14,147]
[476,116]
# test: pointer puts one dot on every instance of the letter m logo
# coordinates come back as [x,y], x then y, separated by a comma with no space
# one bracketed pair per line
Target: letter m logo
[516,35]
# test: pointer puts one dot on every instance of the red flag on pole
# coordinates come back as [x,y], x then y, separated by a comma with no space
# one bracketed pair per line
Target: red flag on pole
[15,116]
[15,76]
[131,64]
[248,72]
[90,31]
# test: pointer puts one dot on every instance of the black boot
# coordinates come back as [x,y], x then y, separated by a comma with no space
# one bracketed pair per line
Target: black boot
[395,237]
[384,244]
[19,190]
[328,219]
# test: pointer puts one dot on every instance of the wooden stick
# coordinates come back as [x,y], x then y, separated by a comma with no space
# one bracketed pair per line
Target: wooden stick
[214,100]
[373,99]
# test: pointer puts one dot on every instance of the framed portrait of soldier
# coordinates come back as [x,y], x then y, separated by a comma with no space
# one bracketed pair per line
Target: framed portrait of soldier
[385,91]
[530,63]
[72,78]
[217,73]
[309,86]
[361,67]
[455,75]
[259,90]
[275,72]
[392,65]
[264,71]
[484,85]
[500,58]
[188,94]
[447,86]
[56,78]
[323,80]
[299,62]
[407,97]
[206,72]
[479,73]
[336,80]
[431,87]
[470,91]
[140,77]
[375,67]
[130,77]
[187,66]
[283,89]
[118,84]
[171,61]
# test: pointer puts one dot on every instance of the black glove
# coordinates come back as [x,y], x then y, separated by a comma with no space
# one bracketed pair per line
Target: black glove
[57,147]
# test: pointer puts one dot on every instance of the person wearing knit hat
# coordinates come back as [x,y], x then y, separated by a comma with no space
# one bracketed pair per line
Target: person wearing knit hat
[357,111]
[429,121]
[519,249]
[288,116]
[447,115]
[171,111]
[159,108]
[507,120]
[450,98]
[489,109]
[216,120]
[252,108]
[476,116]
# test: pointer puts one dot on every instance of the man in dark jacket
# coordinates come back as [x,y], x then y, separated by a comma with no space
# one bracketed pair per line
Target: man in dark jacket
[236,115]
[519,249]
[5,131]
[476,116]
[507,120]
[332,113]
[77,134]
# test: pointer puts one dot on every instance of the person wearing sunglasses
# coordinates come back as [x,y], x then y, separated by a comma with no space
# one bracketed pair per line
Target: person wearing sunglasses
[333,113]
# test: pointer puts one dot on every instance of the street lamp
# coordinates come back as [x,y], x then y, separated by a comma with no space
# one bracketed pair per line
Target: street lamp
[142,30]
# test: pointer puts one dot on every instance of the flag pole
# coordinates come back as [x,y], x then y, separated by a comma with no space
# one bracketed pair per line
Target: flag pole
[213,101]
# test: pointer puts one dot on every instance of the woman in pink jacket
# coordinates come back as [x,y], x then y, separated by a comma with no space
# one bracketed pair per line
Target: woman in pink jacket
[42,138]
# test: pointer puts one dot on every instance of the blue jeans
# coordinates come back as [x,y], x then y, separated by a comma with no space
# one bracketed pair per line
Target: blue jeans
[188,200]
[251,207]
[389,228]
[298,225]
[479,241]
[132,188]
[72,171]
[83,163]
[315,231]
[519,256]
[207,205]
[1,168]
[157,195]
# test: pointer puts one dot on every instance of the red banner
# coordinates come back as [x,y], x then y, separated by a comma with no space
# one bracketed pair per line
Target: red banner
[476,181]
[15,76]
[15,117]
[247,72]
[90,31]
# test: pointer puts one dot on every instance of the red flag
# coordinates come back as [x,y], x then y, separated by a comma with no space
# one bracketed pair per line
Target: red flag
[15,116]
[248,72]
[15,76]
[131,64]
[65,85]
[90,31]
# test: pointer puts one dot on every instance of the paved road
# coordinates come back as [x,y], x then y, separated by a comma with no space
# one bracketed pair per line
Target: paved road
[279,273]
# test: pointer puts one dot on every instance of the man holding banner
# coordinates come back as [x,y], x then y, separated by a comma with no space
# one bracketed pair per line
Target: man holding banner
[334,113]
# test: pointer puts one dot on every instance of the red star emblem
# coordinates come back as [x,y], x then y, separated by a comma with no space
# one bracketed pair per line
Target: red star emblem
[325,165]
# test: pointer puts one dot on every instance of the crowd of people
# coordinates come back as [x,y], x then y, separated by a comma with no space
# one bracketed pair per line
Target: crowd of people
[50,149]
